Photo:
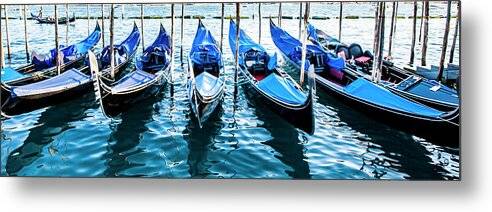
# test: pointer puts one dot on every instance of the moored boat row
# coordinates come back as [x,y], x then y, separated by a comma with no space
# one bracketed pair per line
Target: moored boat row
[399,103]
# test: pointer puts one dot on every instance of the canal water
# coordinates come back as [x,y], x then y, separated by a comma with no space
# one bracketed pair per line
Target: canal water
[158,138]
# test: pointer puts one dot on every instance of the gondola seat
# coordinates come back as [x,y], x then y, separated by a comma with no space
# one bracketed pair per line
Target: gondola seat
[9,74]
[65,81]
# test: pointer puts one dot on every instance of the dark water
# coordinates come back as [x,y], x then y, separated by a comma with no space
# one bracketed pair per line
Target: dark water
[244,139]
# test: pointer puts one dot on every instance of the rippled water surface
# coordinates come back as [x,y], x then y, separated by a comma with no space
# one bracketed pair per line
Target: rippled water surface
[244,140]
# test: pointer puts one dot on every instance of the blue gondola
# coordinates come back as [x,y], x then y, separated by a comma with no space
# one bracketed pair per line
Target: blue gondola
[397,80]
[369,97]
[44,66]
[69,84]
[152,71]
[205,83]
[274,86]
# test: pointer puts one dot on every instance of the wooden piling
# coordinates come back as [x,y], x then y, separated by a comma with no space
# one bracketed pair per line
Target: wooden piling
[425,33]
[2,60]
[444,43]
[280,14]
[102,25]
[456,31]
[421,21]
[171,79]
[379,43]
[66,22]
[88,20]
[414,32]
[182,32]
[236,53]
[123,12]
[222,26]
[300,20]
[304,42]
[58,56]
[394,15]
[259,23]
[111,39]
[26,43]
[41,11]
[340,17]
[142,25]
[7,30]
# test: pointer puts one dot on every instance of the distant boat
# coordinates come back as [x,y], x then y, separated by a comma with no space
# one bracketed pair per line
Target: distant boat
[366,96]
[151,72]
[205,84]
[271,84]
[69,84]
[399,81]
[51,19]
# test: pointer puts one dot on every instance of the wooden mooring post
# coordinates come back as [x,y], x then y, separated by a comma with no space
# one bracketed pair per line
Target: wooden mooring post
[5,13]
[300,20]
[394,16]
[88,20]
[340,17]
[259,23]
[414,33]
[456,31]
[66,22]
[304,42]
[444,43]
[379,42]
[111,40]
[222,26]
[58,56]
[280,14]
[182,33]
[171,79]
[2,60]
[102,25]
[26,43]
[425,33]
[142,25]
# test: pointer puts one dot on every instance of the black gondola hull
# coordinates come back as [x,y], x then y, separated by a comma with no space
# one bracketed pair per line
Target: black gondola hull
[300,117]
[437,130]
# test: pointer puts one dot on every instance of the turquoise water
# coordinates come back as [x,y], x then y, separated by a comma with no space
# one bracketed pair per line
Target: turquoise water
[244,140]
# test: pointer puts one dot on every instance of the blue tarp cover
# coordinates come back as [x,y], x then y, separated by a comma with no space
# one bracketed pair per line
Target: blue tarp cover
[207,84]
[132,80]
[363,89]
[68,79]
[9,74]
[281,89]
[69,52]
[204,49]
[290,47]
[124,49]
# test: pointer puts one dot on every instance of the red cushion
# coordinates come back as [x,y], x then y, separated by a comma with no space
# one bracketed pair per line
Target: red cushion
[362,59]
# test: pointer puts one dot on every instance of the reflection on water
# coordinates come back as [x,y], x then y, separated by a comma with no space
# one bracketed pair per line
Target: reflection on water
[245,139]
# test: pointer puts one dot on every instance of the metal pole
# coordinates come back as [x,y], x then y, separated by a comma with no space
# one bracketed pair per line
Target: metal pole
[426,30]
[222,28]
[26,43]
[142,25]
[58,62]
[280,14]
[236,54]
[259,23]
[304,43]
[300,20]
[340,22]
[102,25]
[111,39]
[456,30]
[393,24]
[7,30]
[444,43]
[88,20]
[66,22]
[182,32]
[414,32]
